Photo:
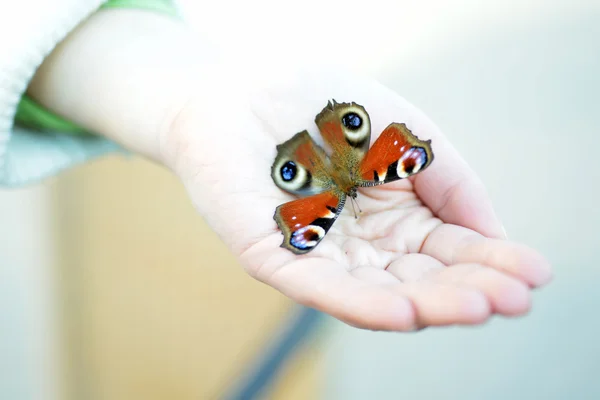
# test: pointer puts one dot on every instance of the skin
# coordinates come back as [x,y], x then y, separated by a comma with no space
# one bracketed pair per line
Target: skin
[427,251]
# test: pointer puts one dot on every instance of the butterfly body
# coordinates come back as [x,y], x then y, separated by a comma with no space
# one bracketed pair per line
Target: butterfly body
[303,168]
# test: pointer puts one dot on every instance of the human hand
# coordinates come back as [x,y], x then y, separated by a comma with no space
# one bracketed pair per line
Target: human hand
[425,251]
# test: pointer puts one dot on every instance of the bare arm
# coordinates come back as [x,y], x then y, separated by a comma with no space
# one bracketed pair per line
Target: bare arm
[122,74]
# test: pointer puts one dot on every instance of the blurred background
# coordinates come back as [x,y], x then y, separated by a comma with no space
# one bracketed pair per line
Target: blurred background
[113,288]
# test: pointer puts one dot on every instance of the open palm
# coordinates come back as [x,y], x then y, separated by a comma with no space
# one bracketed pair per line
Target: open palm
[425,251]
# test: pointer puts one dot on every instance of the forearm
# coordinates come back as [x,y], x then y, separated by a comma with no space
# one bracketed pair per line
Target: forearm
[122,74]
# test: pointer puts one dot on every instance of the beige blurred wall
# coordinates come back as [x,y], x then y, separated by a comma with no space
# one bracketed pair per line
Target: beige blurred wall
[154,305]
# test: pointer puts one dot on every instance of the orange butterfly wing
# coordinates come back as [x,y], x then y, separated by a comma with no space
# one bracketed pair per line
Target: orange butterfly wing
[396,154]
[305,222]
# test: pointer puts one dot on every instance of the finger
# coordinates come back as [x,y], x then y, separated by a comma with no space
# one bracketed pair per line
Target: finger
[326,286]
[452,244]
[434,304]
[507,296]
[438,304]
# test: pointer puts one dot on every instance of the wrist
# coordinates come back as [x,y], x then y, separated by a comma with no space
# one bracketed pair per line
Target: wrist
[210,101]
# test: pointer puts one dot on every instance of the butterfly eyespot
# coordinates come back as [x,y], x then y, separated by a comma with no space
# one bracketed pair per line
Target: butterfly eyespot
[288,171]
[291,176]
[356,127]
[307,237]
[411,162]
[352,121]
[409,166]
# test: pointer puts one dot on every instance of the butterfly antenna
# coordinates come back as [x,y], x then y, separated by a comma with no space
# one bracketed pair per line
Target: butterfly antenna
[352,201]
[357,206]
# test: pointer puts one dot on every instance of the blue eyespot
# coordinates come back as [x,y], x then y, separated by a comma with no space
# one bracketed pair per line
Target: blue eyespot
[288,171]
[352,121]
[299,242]
[307,237]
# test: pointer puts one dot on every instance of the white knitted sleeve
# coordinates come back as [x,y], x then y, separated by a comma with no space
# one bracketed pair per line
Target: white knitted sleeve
[29,31]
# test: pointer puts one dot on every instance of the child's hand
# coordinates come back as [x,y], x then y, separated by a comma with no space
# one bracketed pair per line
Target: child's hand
[426,251]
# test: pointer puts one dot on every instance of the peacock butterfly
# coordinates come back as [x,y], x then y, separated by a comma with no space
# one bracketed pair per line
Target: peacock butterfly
[303,168]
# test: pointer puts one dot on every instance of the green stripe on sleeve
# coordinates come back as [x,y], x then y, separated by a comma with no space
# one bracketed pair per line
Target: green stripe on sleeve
[34,116]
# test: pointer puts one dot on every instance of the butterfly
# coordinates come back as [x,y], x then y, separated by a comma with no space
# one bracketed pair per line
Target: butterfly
[303,168]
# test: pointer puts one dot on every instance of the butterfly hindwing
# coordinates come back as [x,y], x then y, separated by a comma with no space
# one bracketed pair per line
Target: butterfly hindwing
[305,222]
[396,154]
[301,166]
